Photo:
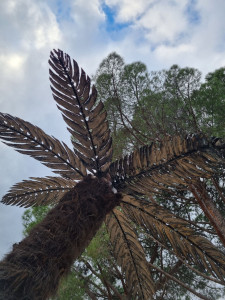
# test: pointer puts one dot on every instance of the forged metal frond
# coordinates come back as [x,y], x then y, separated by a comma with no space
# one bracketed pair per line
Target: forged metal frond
[176,234]
[38,191]
[130,255]
[86,119]
[175,163]
[31,140]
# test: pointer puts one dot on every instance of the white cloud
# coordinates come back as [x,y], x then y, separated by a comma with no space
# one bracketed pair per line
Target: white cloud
[167,53]
[28,30]
[164,32]
[90,14]
[12,63]
[129,10]
[161,20]
[164,22]
[32,24]
[10,6]
[203,44]
[209,36]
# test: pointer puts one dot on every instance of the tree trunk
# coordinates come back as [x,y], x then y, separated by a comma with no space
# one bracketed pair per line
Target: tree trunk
[33,269]
[210,209]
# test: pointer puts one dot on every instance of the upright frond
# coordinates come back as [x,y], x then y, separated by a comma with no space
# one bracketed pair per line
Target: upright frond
[86,119]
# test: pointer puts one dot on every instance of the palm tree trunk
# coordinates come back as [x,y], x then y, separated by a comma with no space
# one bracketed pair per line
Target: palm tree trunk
[33,269]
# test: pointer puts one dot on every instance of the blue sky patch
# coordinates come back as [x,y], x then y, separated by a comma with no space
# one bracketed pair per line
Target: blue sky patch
[61,10]
[111,24]
[192,13]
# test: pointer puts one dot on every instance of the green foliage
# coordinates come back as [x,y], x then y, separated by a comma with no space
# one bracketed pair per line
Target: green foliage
[98,248]
[108,79]
[143,106]
[168,105]
[72,287]
[33,216]
[149,106]
[211,103]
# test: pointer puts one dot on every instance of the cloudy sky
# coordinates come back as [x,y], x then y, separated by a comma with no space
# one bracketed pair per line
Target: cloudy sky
[158,33]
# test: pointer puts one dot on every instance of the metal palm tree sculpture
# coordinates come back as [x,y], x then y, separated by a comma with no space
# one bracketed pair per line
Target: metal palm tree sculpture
[35,266]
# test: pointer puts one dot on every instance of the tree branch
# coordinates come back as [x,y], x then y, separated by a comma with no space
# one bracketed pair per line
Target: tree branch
[179,282]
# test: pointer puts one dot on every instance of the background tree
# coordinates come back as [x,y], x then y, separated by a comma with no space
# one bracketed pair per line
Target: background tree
[152,105]
[210,103]
[162,103]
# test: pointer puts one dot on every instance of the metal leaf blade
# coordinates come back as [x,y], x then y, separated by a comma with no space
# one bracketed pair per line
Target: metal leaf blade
[174,163]
[77,102]
[130,255]
[176,234]
[31,140]
[38,191]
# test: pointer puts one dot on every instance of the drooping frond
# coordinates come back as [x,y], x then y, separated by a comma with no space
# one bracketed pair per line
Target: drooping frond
[85,118]
[38,191]
[175,233]
[176,162]
[31,140]
[130,255]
